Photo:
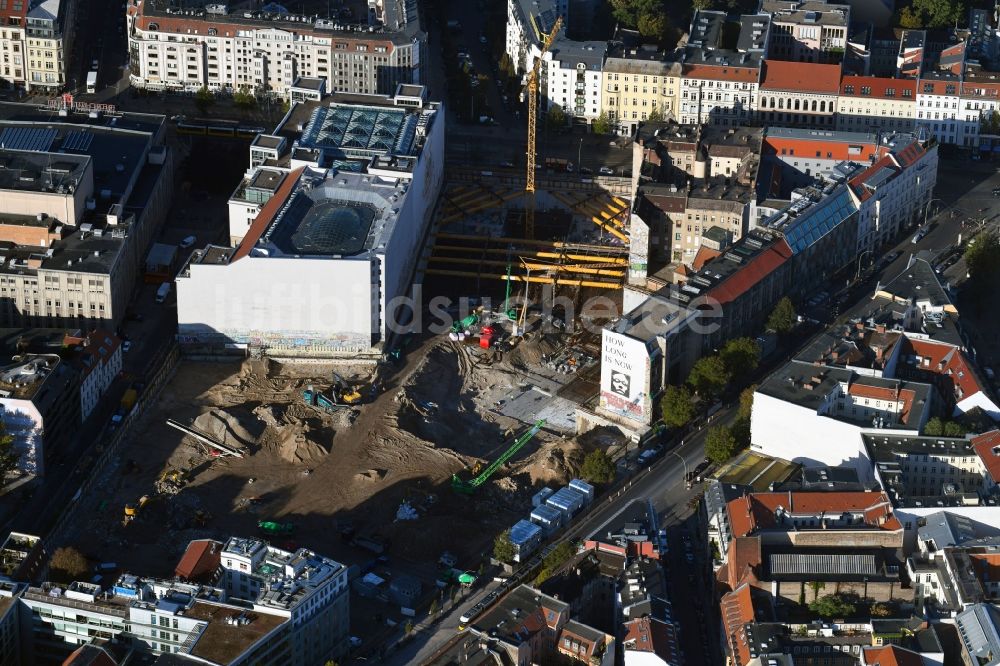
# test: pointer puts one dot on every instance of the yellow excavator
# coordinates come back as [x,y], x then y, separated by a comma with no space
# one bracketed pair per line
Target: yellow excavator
[173,476]
[132,510]
[345,393]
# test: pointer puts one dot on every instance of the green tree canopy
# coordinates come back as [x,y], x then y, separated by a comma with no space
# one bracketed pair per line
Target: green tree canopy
[598,467]
[244,98]
[709,376]
[656,115]
[555,118]
[831,606]
[601,124]
[503,547]
[204,99]
[746,402]
[936,13]
[938,427]
[654,25]
[677,406]
[720,444]
[740,356]
[782,319]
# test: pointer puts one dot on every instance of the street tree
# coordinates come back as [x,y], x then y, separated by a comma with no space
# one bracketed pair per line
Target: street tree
[709,376]
[601,124]
[746,402]
[203,99]
[677,406]
[503,547]
[244,98]
[740,356]
[782,319]
[555,118]
[720,444]
[598,467]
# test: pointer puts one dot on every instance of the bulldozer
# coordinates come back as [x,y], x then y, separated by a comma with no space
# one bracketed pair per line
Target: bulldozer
[132,510]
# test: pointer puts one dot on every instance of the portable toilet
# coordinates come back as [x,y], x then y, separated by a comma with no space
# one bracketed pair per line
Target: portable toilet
[566,500]
[526,537]
[538,499]
[582,486]
[548,518]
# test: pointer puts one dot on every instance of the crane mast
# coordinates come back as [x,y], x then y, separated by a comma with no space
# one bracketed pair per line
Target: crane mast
[529,183]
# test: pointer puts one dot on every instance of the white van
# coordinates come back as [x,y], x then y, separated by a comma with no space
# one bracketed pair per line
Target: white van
[163,292]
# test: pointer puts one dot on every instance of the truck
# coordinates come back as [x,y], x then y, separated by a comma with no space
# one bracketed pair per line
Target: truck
[162,292]
[129,398]
[92,81]
[557,164]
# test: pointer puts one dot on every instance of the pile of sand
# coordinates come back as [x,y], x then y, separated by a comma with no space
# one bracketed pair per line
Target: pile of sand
[236,427]
[296,447]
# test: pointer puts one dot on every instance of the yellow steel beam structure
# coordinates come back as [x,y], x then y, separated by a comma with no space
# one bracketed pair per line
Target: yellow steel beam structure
[569,268]
[533,278]
[615,261]
[508,240]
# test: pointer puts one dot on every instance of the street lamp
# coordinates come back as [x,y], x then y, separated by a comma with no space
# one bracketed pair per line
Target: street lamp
[579,155]
[857,273]
[684,462]
[928,208]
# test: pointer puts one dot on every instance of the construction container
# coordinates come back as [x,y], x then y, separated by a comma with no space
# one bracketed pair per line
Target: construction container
[581,486]
[526,537]
[547,518]
[538,499]
[567,500]
[129,398]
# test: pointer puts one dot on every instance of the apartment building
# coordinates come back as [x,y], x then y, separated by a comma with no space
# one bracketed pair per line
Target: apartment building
[266,52]
[793,157]
[807,30]
[873,103]
[980,108]
[48,43]
[719,84]
[573,79]
[82,200]
[893,193]
[637,83]
[297,615]
[798,94]
[35,42]
[40,407]
[528,22]
[255,190]
[312,593]
[99,362]
[938,99]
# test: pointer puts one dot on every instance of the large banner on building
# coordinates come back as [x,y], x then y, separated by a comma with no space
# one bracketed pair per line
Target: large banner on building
[625,377]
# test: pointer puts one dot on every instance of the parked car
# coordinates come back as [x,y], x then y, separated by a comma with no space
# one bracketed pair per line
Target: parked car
[607,171]
[127,346]
[586,171]
[919,236]
[188,242]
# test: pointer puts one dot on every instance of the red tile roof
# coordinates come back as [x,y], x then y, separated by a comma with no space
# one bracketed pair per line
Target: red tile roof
[737,612]
[891,655]
[704,255]
[879,87]
[267,213]
[722,73]
[947,361]
[938,87]
[904,396]
[857,183]
[756,511]
[743,559]
[199,561]
[986,566]
[751,273]
[90,655]
[808,147]
[646,634]
[987,447]
[804,77]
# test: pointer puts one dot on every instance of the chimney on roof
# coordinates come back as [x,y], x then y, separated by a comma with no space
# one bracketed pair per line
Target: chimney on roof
[880,328]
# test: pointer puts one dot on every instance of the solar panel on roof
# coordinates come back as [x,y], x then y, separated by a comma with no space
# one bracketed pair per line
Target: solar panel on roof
[78,141]
[27,138]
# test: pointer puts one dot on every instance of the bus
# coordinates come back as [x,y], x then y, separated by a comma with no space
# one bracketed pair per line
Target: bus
[92,81]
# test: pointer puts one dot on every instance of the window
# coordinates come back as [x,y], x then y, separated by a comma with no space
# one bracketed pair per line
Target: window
[849,89]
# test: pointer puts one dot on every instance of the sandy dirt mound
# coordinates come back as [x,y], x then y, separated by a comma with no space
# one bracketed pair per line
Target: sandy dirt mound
[234,427]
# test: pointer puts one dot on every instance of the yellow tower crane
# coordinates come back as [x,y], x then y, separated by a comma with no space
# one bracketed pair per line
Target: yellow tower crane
[532,87]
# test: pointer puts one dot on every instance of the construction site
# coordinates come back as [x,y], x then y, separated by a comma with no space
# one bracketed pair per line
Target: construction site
[439,446]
